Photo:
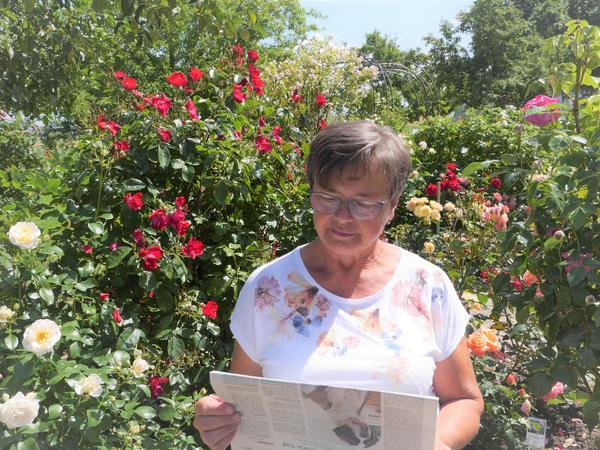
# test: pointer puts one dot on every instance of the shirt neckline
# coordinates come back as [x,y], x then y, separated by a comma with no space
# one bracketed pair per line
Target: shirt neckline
[354,302]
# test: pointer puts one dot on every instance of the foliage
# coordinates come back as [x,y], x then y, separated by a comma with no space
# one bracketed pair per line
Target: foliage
[144,38]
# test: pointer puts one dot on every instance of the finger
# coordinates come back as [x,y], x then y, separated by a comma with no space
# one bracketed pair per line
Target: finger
[223,443]
[216,438]
[213,405]
[209,423]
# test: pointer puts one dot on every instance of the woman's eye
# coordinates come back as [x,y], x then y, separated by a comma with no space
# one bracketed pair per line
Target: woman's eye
[365,205]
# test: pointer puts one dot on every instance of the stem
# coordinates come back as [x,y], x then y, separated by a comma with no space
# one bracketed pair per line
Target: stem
[100,188]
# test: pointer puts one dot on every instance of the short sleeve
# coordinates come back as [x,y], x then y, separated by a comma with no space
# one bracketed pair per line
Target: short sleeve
[243,321]
[451,319]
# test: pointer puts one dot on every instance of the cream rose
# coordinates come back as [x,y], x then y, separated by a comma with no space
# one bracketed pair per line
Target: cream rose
[428,247]
[24,235]
[90,385]
[139,366]
[41,336]
[5,314]
[19,410]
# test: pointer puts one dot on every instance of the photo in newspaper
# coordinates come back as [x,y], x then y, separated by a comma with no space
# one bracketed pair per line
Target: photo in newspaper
[281,415]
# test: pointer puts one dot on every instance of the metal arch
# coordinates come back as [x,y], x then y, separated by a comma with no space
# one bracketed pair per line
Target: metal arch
[418,81]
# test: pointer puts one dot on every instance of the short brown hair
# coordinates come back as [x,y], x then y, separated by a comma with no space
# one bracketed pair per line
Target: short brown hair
[358,146]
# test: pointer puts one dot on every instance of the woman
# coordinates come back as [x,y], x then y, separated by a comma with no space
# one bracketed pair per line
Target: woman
[348,309]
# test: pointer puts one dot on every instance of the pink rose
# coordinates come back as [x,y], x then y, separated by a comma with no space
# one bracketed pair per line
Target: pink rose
[556,390]
[526,407]
[540,115]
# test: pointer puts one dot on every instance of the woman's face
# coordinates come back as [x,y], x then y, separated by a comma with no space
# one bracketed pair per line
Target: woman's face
[341,233]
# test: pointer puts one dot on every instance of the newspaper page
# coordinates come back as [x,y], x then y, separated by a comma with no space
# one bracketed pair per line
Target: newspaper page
[287,415]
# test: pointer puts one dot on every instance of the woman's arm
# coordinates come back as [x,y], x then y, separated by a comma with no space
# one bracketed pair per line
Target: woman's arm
[216,420]
[461,403]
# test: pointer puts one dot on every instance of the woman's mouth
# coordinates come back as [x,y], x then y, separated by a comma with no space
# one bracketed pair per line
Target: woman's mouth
[341,234]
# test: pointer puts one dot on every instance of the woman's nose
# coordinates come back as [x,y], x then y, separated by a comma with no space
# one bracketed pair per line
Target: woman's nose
[343,212]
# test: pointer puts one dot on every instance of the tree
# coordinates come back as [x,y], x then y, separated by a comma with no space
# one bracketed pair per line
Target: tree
[55,55]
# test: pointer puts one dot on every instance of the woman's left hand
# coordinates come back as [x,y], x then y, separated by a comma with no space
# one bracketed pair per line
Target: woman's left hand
[441,446]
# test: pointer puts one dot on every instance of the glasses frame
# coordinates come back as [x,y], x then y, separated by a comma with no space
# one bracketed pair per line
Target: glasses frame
[349,204]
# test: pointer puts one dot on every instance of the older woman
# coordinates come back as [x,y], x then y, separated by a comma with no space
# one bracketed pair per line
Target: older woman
[348,309]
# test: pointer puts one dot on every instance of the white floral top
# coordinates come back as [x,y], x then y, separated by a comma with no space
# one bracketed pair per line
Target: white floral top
[389,341]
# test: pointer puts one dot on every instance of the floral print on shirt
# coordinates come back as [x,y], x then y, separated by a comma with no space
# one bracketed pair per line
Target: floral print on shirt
[304,305]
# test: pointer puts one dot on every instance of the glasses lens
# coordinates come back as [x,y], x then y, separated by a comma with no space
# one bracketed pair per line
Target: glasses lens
[324,204]
[365,210]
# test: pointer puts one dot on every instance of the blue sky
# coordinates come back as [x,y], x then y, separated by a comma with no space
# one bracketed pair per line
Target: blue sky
[408,21]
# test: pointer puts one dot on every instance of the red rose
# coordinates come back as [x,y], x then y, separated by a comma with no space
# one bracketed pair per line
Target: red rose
[128,83]
[134,202]
[252,56]
[110,126]
[238,50]
[193,249]
[176,216]
[177,79]
[276,137]
[431,190]
[262,144]
[113,246]
[210,309]
[196,74]
[151,256]
[295,97]
[119,76]
[191,108]
[238,95]
[121,147]
[165,135]
[237,134]
[321,100]
[495,182]
[162,103]
[87,249]
[180,201]
[138,237]
[181,227]
[155,384]
[158,219]
[322,124]
[104,296]
[261,122]
[451,166]
[116,315]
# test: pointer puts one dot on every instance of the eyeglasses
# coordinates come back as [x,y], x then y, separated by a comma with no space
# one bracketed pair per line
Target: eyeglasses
[360,209]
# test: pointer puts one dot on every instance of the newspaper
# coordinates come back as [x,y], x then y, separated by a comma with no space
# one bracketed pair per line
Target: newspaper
[287,415]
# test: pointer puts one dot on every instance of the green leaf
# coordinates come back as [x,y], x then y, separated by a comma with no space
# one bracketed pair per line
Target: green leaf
[188,173]
[558,143]
[47,295]
[221,191]
[175,347]
[540,384]
[86,270]
[74,349]
[28,444]
[94,417]
[146,412]
[168,413]
[133,184]
[576,276]
[129,338]
[96,228]
[11,341]
[164,157]
[54,411]
[115,258]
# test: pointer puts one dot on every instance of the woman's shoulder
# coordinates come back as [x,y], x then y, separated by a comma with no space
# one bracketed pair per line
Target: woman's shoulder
[412,263]
[282,264]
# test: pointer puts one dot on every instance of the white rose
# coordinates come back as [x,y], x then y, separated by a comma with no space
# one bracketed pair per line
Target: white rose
[41,336]
[449,206]
[5,314]
[19,411]
[432,151]
[90,385]
[423,145]
[24,235]
[428,247]
[139,366]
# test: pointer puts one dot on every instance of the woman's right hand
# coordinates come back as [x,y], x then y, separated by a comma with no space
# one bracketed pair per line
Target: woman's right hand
[216,421]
